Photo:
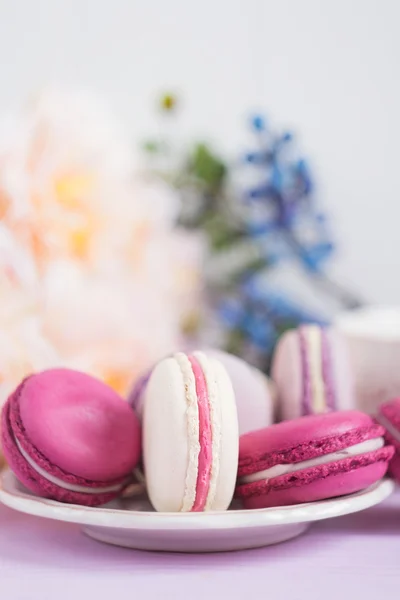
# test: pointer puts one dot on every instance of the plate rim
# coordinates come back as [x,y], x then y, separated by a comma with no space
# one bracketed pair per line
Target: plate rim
[27,503]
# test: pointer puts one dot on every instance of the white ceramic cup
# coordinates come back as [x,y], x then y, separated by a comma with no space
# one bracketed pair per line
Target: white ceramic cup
[373,337]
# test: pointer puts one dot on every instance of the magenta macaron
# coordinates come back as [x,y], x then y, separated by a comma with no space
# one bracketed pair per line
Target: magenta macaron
[69,437]
[312,372]
[311,458]
[389,417]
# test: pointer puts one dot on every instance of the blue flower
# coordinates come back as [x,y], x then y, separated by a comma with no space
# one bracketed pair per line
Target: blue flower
[231,313]
[258,123]
[287,136]
[314,256]
[260,332]
[277,179]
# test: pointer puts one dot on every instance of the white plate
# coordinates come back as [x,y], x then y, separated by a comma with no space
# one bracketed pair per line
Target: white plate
[133,524]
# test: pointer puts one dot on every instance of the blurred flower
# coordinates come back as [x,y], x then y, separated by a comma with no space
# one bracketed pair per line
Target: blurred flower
[258,122]
[93,273]
[23,346]
[168,102]
[284,189]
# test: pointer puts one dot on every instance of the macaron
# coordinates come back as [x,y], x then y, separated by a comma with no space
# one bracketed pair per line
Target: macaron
[312,372]
[254,391]
[190,435]
[389,417]
[137,393]
[69,437]
[311,458]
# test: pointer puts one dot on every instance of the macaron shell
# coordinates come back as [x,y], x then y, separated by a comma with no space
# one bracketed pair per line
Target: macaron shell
[335,485]
[254,402]
[304,438]
[394,467]
[255,394]
[167,444]
[136,395]
[229,447]
[79,424]
[391,412]
[35,482]
[288,377]
[165,437]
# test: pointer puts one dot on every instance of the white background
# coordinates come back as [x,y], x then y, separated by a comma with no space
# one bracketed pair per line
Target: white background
[328,68]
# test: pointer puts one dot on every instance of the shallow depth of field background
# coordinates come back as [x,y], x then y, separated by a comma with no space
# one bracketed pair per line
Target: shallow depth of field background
[326,68]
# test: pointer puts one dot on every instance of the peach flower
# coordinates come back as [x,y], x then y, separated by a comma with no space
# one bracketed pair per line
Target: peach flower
[95,274]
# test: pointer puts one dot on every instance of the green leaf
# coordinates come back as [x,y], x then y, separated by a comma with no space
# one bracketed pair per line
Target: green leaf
[220,232]
[207,167]
[256,266]
[152,147]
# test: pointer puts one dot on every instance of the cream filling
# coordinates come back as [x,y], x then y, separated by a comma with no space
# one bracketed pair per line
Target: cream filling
[314,356]
[278,470]
[215,418]
[192,414]
[135,488]
[63,484]
[395,433]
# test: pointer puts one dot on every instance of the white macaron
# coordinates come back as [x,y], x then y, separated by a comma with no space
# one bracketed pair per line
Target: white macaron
[190,434]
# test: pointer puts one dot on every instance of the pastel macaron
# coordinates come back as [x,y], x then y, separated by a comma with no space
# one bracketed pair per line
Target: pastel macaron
[254,392]
[389,417]
[69,437]
[312,372]
[190,435]
[311,458]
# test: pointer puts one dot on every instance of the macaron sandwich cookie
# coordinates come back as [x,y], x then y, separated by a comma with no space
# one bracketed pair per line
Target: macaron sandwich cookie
[69,437]
[389,417]
[311,458]
[253,391]
[312,373]
[190,433]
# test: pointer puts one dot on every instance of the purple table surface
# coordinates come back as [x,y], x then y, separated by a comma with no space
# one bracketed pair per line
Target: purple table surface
[357,556]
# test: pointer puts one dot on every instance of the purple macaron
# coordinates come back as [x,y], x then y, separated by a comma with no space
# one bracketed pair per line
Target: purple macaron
[312,372]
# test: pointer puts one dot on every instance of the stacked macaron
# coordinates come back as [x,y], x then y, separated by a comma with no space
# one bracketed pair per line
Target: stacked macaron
[313,374]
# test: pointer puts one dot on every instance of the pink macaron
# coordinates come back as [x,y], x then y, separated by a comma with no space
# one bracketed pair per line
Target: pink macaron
[311,458]
[69,437]
[190,435]
[389,417]
[312,373]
